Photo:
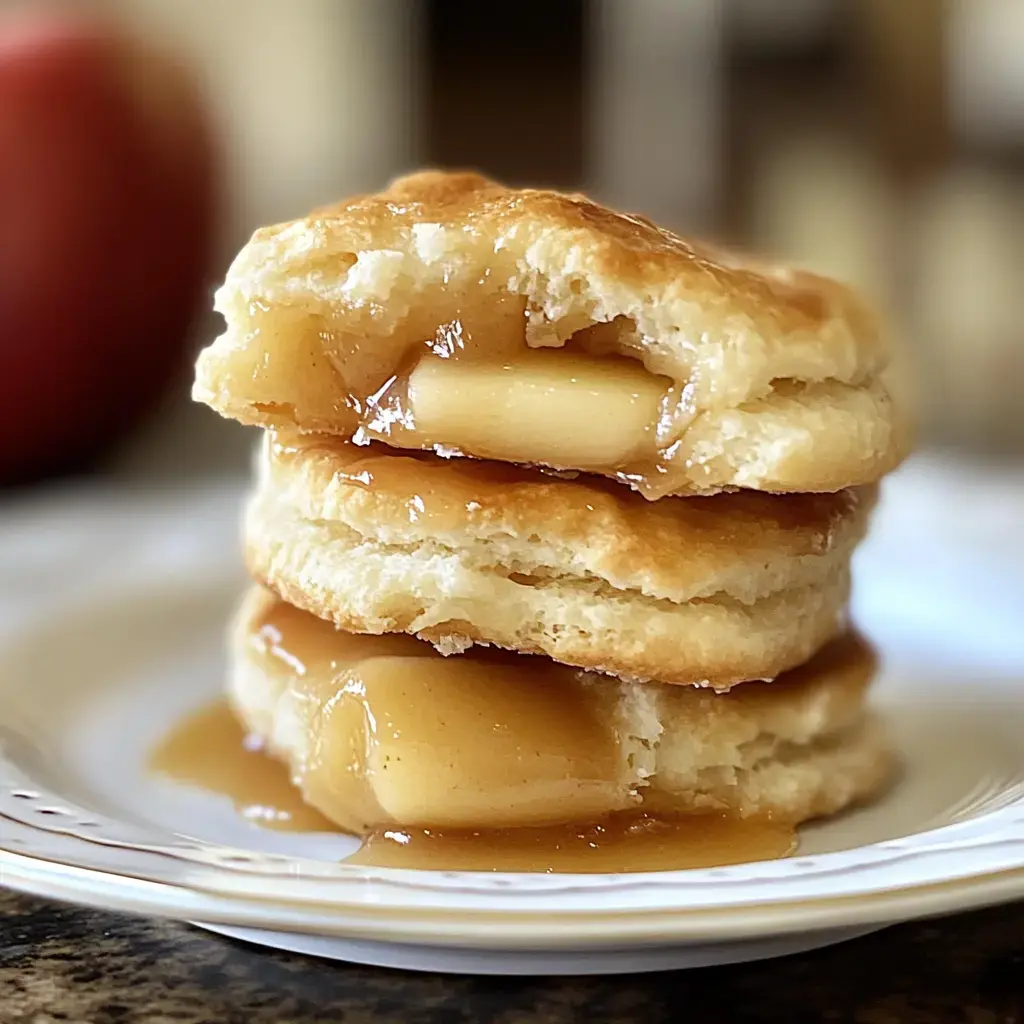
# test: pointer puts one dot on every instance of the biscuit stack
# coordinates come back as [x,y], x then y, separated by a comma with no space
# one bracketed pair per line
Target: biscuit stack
[554,514]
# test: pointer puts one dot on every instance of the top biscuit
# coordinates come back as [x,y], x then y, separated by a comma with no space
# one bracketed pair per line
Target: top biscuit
[450,312]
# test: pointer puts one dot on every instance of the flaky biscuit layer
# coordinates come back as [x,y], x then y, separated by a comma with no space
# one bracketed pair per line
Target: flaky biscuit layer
[710,590]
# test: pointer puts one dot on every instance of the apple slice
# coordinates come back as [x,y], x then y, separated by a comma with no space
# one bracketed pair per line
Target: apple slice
[557,408]
[463,743]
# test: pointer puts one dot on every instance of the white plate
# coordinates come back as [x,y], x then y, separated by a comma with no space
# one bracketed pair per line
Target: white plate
[111,618]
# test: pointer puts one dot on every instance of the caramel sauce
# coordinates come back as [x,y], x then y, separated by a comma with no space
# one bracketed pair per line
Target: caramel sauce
[532,393]
[209,750]
[621,843]
[474,762]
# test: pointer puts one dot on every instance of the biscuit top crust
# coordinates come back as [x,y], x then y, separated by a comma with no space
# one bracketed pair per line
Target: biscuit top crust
[440,214]
[326,312]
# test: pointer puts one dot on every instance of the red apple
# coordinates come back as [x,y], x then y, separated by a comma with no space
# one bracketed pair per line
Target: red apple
[106,219]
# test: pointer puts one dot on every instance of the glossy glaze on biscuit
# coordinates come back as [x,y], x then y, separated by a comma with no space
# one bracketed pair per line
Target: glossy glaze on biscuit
[775,378]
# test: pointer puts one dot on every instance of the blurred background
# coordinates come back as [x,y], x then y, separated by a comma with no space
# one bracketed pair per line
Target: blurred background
[141,141]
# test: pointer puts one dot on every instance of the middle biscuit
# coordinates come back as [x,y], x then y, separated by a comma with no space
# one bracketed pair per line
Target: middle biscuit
[711,591]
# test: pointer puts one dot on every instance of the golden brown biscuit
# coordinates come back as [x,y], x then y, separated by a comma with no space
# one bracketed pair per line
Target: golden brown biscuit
[536,327]
[382,731]
[711,590]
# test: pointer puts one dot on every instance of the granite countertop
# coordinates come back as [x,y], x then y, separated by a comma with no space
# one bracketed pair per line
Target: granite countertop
[62,963]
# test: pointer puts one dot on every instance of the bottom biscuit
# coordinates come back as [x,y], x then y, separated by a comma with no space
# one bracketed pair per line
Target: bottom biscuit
[382,731]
